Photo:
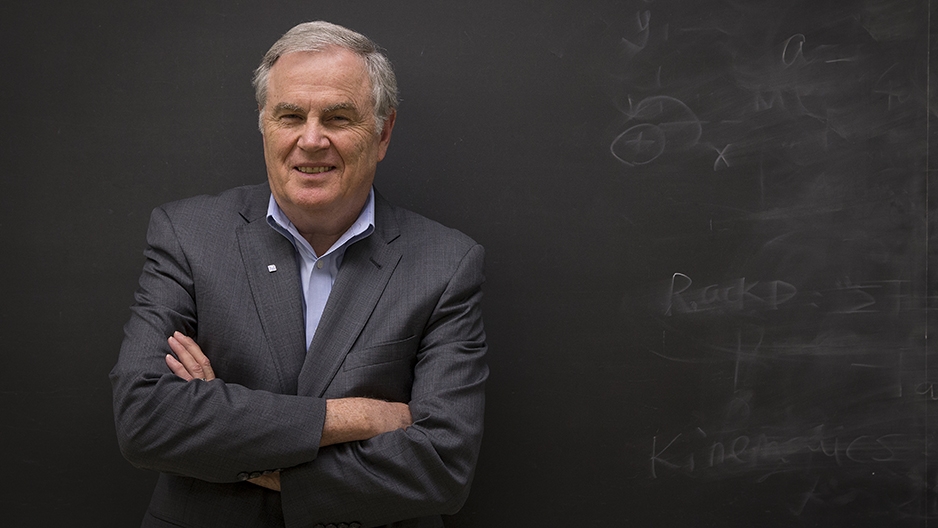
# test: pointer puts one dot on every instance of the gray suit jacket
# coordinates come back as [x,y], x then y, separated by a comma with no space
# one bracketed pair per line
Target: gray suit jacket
[403,323]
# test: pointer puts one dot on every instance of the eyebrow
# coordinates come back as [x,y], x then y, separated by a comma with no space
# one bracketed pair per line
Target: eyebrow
[288,107]
[292,107]
[340,106]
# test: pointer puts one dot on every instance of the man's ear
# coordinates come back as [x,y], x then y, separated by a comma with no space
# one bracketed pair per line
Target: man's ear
[385,138]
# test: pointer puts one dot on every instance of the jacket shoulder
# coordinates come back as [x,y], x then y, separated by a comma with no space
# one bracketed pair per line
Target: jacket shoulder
[204,212]
[421,231]
[236,199]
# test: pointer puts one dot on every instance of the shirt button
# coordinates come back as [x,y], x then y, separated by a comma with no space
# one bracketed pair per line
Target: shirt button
[319,264]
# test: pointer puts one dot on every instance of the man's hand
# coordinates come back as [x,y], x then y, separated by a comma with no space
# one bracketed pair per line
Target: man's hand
[191,363]
[351,419]
[271,481]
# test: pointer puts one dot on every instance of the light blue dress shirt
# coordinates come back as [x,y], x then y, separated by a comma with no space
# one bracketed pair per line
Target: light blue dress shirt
[317,273]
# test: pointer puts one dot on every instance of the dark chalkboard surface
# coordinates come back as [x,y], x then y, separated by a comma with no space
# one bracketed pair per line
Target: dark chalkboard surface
[708,226]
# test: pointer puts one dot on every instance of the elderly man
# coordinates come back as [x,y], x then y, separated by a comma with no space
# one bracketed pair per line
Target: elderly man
[302,352]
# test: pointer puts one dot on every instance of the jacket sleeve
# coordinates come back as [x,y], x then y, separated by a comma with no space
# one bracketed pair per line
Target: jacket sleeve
[213,431]
[427,468]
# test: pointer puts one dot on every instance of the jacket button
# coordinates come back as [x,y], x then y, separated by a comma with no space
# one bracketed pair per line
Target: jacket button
[243,476]
[255,474]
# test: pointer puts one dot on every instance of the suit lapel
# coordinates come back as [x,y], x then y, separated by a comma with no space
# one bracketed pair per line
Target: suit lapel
[276,290]
[366,269]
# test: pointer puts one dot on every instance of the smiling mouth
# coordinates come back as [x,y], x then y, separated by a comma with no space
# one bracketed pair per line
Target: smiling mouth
[314,170]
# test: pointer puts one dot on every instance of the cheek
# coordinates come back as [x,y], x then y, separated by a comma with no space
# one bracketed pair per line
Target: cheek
[364,141]
[366,150]
[281,149]
[277,145]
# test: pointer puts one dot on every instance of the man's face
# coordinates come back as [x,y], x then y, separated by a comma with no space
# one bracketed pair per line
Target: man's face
[320,143]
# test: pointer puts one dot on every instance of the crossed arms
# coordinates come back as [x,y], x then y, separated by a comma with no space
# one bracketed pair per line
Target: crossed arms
[347,419]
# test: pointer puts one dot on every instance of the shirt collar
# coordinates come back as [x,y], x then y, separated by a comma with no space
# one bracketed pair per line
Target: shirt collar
[363,226]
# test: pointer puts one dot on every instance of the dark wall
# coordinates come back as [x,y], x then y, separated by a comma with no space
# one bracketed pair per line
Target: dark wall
[707,225]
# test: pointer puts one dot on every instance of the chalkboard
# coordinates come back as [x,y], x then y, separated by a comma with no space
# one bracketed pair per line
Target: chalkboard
[709,232]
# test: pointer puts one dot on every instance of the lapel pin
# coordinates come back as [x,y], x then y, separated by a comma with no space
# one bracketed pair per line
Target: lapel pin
[271,268]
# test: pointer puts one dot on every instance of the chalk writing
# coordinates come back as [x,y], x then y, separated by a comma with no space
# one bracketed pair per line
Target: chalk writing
[732,296]
[786,216]
[793,49]
[868,297]
[680,296]
[721,157]
[639,145]
[633,47]
[669,124]
[768,454]
[766,102]
[927,389]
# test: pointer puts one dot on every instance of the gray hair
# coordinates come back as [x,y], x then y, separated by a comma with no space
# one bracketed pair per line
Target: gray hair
[320,35]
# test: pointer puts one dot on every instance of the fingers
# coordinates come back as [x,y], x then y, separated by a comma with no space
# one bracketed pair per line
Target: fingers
[177,368]
[190,363]
[270,481]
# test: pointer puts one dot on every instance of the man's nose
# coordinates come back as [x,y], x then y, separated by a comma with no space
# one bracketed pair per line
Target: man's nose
[313,137]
